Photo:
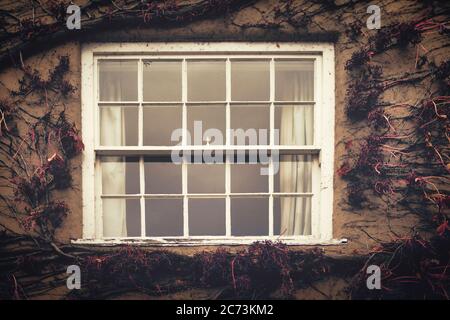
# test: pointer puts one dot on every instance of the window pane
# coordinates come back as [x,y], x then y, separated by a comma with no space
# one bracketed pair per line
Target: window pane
[254,122]
[248,178]
[164,217]
[120,175]
[118,126]
[159,123]
[118,80]
[294,80]
[295,125]
[162,176]
[292,216]
[294,174]
[121,218]
[206,178]
[207,217]
[249,216]
[162,80]
[250,81]
[206,80]
[203,118]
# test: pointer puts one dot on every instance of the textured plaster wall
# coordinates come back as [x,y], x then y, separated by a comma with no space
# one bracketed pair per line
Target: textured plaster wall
[347,222]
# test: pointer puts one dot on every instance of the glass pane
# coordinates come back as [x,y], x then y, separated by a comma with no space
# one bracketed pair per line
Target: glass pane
[118,80]
[120,175]
[118,126]
[162,176]
[292,216]
[294,174]
[206,178]
[248,178]
[295,125]
[159,124]
[162,80]
[206,80]
[294,80]
[164,217]
[254,122]
[249,216]
[207,217]
[121,218]
[206,125]
[250,81]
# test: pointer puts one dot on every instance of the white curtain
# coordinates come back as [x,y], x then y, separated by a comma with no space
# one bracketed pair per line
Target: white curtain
[113,170]
[295,174]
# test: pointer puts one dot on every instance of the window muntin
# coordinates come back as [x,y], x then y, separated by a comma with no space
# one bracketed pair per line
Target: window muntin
[198,99]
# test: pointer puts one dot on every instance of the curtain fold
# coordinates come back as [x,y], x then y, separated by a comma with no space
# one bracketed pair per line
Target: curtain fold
[113,170]
[295,171]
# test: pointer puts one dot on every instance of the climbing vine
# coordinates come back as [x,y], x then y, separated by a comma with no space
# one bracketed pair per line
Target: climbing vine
[402,160]
[38,162]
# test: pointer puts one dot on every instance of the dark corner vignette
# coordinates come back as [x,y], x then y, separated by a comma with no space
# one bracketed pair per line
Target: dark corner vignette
[235,158]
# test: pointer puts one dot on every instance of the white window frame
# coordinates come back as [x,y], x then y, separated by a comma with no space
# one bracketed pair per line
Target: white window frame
[324,110]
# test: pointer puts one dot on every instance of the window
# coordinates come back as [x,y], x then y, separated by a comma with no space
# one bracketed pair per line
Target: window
[264,114]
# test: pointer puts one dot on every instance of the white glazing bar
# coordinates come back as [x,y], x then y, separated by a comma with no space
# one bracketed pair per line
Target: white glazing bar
[228,99]
[171,103]
[167,151]
[98,201]
[122,196]
[156,104]
[168,56]
[140,112]
[227,199]
[271,135]
[272,98]
[140,143]
[184,99]
[142,199]
[307,103]
[227,160]
[208,195]
[271,182]
[184,165]
[185,201]
[118,103]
